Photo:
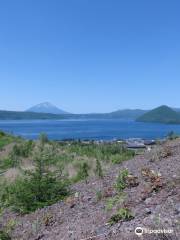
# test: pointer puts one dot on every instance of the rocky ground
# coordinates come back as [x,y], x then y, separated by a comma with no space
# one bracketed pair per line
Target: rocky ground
[152,195]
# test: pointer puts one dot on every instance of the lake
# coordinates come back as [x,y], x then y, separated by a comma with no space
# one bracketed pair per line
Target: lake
[88,129]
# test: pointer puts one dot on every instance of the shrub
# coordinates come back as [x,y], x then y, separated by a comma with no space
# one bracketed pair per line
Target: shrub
[4,235]
[2,134]
[99,195]
[35,189]
[121,180]
[7,229]
[7,163]
[113,201]
[22,150]
[28,194]
[98,170]
[43,138]
[82,173]
[27,148]
[124,214]
[5,140]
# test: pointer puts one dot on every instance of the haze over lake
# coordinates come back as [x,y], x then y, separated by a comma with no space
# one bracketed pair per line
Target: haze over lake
[88,129]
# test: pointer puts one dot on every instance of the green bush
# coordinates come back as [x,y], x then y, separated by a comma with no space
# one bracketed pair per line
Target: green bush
[99,195]
[113,201]
[124,214]
[2,134]
[28,194]
[83,172]
[7,163]
[35,189]
[4,141]
[43,138]
[4,236]
[98,170]
[121,180]
[23,150]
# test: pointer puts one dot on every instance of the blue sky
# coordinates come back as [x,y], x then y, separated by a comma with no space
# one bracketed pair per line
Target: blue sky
[89,55]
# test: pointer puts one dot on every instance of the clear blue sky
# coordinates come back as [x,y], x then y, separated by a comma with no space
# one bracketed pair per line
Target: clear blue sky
[89,55]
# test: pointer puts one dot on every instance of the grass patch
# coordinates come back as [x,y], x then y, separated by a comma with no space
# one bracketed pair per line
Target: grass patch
[124,156]
[5,140]
[7,163]
[115,152]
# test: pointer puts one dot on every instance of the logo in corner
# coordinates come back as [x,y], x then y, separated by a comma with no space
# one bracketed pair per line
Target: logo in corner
[139,231]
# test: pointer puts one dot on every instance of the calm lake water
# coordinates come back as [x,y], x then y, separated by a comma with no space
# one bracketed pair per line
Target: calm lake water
[88,129]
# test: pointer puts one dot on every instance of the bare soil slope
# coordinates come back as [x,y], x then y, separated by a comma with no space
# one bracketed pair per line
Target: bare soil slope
[154,201]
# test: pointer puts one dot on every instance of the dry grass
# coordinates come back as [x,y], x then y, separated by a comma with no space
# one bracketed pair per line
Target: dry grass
[11,174]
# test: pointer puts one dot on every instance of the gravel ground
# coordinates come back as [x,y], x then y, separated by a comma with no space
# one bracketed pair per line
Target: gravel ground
[155,204]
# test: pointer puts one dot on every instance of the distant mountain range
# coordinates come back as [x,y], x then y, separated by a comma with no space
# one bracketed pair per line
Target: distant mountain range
[13,115]
[49,111]
[120,114]
[46,107]
[162,114]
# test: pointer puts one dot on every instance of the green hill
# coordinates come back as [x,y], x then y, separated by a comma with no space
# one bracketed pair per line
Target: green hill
[162,114]
[13,115]
[127,113]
